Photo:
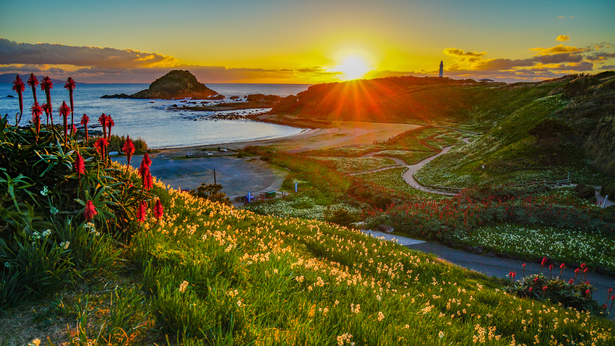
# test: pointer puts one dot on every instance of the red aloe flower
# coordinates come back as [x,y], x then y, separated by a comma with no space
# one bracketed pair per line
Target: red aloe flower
[84,121]
[110,124]
[576,272]
[158,210]
[47,85]
[19,87]
[103,122]
[33,82]
[561,269]
[531,289]
[64,110]
[128,149]
[148,181]
[48,113]
[37,111]
[571,281]
[142,212]
[101,146]
[73,131]
[79,165]
[544,261]
[70,86]
[90,211]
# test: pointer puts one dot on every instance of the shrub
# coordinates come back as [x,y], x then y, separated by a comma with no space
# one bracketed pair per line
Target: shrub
[585,191]
[574,293]
[608,190]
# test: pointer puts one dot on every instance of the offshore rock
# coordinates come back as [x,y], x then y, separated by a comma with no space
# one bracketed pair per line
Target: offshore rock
[176,84]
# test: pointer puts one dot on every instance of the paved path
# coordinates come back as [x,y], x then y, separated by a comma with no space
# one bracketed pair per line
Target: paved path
[499,267]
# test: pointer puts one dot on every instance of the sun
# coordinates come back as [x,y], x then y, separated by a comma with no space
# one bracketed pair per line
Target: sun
[352,67]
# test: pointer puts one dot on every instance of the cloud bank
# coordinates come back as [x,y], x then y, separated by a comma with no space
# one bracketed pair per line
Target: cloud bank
[110,65]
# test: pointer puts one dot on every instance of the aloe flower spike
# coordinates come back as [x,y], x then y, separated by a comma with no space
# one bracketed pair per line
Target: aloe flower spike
[33,82]
[47,85]
[70,86]
[19,87]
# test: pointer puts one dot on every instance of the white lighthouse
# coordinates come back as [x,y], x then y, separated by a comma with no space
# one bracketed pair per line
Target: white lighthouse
[441,69]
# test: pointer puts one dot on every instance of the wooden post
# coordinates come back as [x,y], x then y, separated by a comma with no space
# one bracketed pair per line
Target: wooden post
[215,177]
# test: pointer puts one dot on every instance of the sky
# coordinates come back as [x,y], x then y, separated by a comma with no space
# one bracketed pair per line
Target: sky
[316,41]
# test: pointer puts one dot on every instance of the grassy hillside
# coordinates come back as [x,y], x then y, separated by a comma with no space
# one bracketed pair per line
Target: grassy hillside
[510,116]
[196,272]
[569,131]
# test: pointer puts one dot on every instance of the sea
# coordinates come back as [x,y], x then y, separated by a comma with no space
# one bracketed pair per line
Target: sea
[152,121]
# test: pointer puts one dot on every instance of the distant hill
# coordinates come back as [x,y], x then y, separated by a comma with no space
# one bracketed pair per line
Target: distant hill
[10,77]
[174,85]
[399,99]
[560,124]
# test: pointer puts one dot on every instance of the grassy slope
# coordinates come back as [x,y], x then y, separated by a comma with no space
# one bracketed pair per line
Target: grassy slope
[288,281]
[504,112]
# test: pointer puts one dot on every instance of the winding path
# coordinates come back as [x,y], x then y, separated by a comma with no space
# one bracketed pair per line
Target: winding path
[408,174]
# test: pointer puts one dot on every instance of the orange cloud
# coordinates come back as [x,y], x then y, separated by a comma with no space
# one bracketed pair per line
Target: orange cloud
[460,55]
[563,38]
[558,49]
[58,54]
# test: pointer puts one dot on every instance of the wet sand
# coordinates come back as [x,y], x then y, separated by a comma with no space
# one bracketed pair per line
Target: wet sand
[188,167]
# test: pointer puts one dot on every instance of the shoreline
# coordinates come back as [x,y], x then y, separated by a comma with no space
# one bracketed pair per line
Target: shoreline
[338,134]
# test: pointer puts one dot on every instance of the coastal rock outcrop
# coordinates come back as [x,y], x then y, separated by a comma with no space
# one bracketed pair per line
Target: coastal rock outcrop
[176,84]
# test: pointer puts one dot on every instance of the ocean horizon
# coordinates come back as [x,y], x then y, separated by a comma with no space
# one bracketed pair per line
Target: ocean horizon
[151,121]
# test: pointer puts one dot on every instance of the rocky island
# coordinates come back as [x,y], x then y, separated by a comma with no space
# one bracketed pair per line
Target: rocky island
[176,84]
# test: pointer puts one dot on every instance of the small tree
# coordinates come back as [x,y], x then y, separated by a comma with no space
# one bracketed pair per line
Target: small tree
[211,192]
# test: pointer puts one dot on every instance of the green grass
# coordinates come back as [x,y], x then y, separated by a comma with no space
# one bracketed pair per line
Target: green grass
[358,164]
[567,246]
[409,157]
[223,274]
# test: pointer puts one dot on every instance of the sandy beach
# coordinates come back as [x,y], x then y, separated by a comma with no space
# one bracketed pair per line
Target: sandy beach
[341,134]
[188,167]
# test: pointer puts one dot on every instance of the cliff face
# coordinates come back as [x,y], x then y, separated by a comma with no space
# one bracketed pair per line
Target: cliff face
[176,84]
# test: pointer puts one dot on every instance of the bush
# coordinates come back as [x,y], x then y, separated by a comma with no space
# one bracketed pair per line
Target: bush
[585,191]
[117,142]
[575,294]
[608,190]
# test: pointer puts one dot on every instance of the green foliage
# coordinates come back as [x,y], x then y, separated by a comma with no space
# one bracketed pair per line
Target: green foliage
[117,142]
[211,192]
[585,191]
[45,242]
[608,190]
[556,290]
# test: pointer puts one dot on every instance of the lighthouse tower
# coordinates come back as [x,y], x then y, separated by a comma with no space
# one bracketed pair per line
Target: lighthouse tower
[441,69]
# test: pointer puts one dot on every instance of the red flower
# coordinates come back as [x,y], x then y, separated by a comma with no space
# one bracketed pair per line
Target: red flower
[142,212]
[571,281]
[47,112]
[148,181]
[64,110]
[544,261]
[37,111]
[33,82]
[158,210]
[531,289]
[544,288]
[101,145]
[47,85]
[103,122]
[128,149]
[19,87]
[110,124]
[90,211]
[84,121]
[79,165]
[587,292]
[562,266]
[70,86]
